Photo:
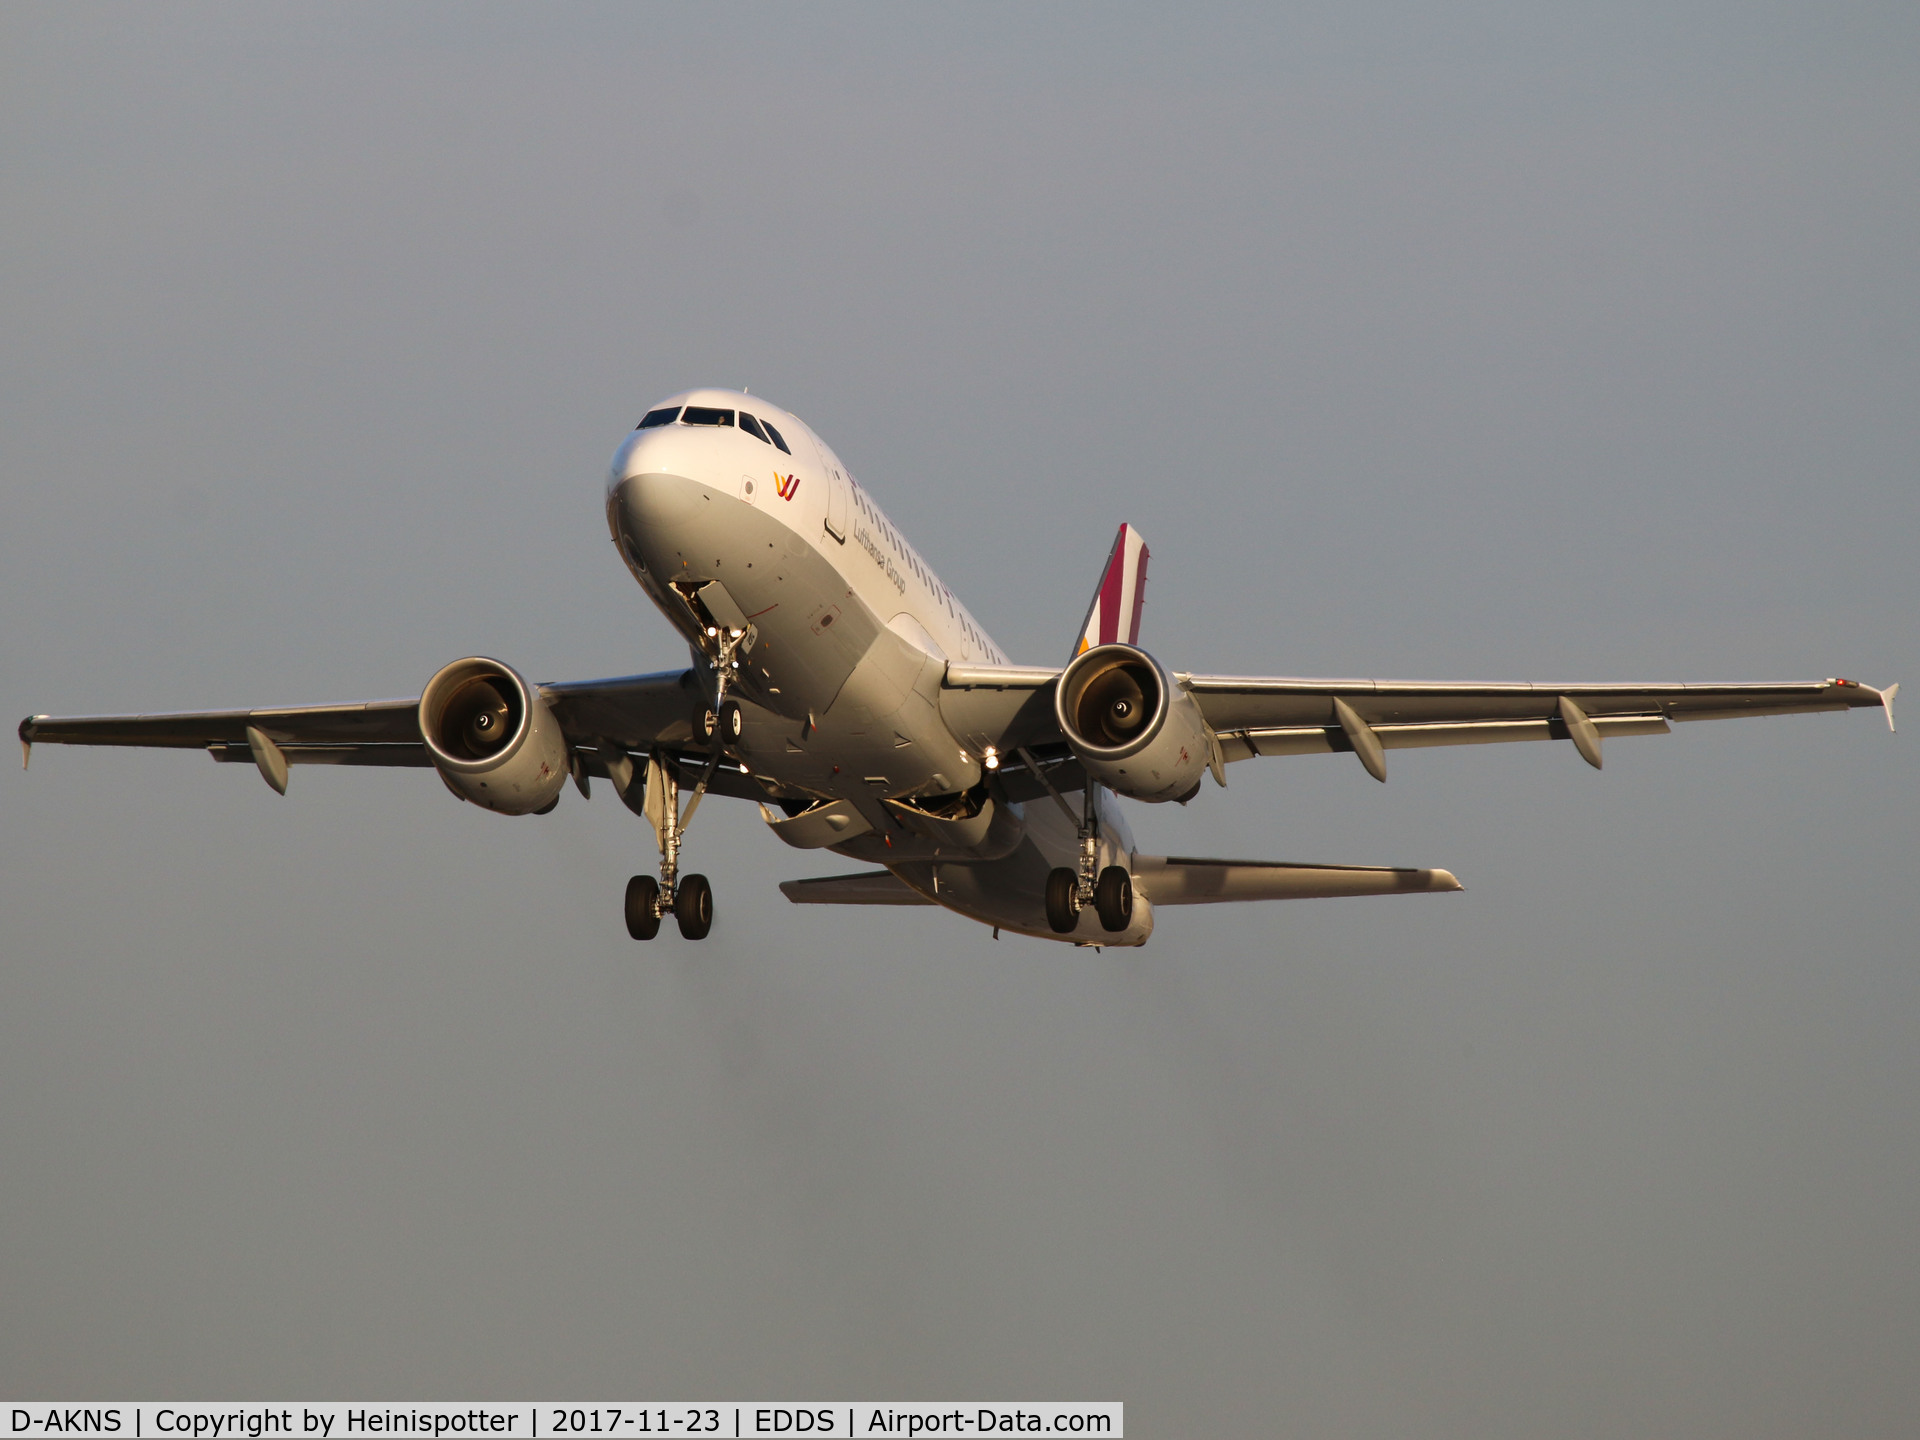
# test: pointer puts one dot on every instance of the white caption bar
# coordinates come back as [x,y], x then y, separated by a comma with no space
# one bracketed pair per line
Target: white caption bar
[555,1420]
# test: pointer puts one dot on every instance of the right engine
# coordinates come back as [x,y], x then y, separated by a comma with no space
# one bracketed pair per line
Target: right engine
[492,737]
[1131,728]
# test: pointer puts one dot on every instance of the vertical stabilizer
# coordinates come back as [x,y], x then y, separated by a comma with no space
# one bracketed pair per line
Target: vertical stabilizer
[1115,612]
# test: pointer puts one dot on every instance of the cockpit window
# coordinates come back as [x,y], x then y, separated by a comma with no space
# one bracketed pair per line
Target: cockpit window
[658,417]
[752,426]
[774,435]
[701,415]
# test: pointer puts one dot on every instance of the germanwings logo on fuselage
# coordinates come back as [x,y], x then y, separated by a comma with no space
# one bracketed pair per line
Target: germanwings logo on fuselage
[787,485]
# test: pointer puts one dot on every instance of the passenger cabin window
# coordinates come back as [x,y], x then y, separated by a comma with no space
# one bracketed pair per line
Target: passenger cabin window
[658,417]
[752,427]
[774,435]
[701,415]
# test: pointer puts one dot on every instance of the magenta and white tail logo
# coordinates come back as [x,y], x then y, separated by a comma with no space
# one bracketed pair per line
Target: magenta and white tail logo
[1115,613]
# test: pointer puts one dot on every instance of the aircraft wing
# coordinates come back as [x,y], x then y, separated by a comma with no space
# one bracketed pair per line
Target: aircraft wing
[626,714]
[1294,717]
[1013,706]
[370,732]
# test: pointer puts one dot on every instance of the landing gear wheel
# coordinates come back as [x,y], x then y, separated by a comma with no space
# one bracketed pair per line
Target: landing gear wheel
[643,907]
[1113,898]
[732,723]
[693,906]
[1063,903]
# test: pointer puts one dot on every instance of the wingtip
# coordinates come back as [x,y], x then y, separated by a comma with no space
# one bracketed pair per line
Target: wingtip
[1886,702]
[1446,880]
[26,740]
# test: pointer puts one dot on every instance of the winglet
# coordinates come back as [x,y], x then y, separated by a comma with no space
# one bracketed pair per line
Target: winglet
[26,740]
[1115,611]
[1886,702]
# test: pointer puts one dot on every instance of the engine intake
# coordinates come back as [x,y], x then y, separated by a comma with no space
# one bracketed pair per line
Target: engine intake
[492,737]
[1130,726]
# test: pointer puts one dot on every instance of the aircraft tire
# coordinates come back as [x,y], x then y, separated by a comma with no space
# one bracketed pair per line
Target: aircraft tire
[1113,898]
[733,724]
[1063,912]
[693,907]
[643,907]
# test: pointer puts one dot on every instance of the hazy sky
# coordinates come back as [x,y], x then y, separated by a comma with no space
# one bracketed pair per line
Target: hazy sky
[1456,341]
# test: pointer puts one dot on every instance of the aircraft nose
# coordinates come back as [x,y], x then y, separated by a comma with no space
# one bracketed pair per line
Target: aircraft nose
[641,493]
[647,510]
[627,460]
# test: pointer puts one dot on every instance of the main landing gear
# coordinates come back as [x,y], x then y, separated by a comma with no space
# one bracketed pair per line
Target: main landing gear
[689,898]
[692,907]
[1110,892]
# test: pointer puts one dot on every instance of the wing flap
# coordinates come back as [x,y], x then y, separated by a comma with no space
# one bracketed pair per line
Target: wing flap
[408,755]
[1320,739]
[1185,880]
[1232,702]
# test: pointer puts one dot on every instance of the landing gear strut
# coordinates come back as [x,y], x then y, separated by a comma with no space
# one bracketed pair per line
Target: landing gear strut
[690,899]
[1109,891]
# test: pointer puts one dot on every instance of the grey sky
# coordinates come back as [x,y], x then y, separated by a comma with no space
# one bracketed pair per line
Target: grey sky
[1456,341]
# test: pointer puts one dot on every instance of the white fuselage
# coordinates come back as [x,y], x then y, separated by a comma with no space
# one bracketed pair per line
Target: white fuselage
[850,632]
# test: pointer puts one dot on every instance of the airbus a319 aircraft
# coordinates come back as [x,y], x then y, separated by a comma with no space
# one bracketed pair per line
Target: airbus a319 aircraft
[837,682]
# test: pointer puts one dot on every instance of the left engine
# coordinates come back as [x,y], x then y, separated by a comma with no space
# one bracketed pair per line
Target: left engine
[1130,726]
[492,737]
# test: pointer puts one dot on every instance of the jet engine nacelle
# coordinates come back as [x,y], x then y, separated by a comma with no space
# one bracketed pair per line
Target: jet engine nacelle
[492,737]
[1130,726]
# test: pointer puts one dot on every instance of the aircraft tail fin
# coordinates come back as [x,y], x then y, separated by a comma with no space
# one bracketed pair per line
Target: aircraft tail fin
[1115,612]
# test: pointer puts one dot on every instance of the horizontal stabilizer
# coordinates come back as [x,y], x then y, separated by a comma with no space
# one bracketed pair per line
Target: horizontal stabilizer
[869,887]
[1182,880]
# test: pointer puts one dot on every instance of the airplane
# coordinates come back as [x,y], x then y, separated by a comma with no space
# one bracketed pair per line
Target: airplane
[837,682]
